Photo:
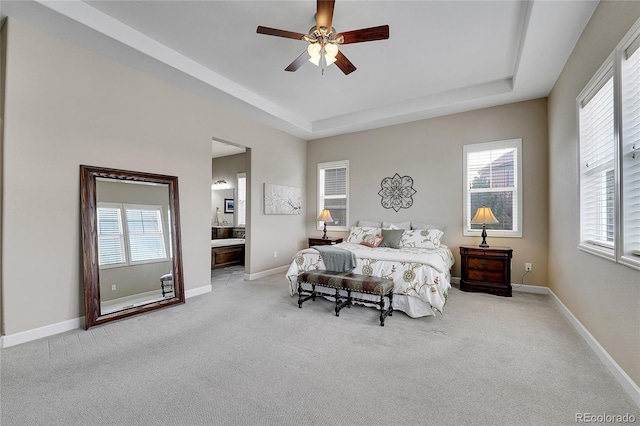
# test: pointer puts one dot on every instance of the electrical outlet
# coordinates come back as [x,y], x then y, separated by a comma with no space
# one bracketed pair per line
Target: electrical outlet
[113,287]
[527,267]
[275,254]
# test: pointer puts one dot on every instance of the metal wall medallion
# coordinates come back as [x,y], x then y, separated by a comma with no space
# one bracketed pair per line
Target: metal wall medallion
[397,192]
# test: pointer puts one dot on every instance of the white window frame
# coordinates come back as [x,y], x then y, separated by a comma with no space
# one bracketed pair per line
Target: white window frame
[516,189]
[162,233]
[597,82]
[121,237]
[241,205]
[125,239]
[321,197]
[614,65]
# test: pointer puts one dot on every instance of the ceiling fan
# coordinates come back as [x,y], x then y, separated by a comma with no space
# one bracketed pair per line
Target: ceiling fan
[323,40]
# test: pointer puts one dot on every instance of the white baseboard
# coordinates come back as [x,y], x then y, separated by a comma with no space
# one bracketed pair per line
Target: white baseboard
[197,291]
[627,383]
[72,324]
[278,270]
[524,288]
[38,333]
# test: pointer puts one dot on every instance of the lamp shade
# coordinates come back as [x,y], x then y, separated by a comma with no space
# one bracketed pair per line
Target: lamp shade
[325,216]
[484,215]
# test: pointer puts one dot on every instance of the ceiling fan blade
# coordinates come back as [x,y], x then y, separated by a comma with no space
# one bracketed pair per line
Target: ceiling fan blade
[365,34]
[280,33]
[298,62]
[344,64]
[324,14]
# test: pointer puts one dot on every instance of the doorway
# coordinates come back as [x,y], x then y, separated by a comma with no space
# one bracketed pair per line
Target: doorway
[229,211]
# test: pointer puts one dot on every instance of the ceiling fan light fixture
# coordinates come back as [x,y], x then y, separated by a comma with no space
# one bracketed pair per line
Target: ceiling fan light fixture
[329,59]
[331,50]
[314,49]
[315,60]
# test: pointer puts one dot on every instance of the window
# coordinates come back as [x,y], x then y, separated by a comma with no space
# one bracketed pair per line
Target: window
[110,235]
[333,194]
[597,146]
[492,176]
[130,234]
[241,209]
[146,239]
[609,132]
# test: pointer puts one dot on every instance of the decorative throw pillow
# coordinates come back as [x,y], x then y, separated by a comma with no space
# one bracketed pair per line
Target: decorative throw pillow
[421,238]
[358,233]
[397,225]
[369,224]
[391,238]
[418,225]
[372,240]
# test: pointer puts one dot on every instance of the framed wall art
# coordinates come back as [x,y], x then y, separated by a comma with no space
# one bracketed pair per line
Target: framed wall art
[280,199]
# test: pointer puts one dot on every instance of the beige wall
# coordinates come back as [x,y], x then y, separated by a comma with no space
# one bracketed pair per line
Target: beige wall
[66,106]
[430,151]
[604,296]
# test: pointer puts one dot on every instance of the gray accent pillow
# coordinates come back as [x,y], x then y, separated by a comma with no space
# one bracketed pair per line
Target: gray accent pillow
[369,224]
[391,238]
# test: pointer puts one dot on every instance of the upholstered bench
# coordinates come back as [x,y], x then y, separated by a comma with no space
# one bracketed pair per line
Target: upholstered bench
[348,282]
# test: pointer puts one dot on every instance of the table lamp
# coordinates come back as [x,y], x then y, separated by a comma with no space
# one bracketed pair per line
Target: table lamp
[325,216]
[484,215]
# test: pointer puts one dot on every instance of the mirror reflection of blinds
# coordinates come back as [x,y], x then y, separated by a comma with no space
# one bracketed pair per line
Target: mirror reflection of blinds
[597,150]
[146,239]
[110,237]
[631,143]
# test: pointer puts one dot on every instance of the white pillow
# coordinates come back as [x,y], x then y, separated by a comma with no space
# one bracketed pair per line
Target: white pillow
[357,233]
[421,238]
[418,225]
[397,225]
[369,224]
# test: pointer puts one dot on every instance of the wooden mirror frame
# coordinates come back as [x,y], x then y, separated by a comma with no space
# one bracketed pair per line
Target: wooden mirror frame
[88,175]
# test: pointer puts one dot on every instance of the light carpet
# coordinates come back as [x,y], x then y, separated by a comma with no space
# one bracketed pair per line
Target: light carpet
[244,354]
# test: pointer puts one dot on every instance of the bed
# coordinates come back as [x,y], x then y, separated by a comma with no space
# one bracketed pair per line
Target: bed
[419,264]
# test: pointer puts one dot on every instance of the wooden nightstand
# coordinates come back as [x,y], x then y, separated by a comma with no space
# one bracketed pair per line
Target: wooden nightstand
[486,269]
[319,241]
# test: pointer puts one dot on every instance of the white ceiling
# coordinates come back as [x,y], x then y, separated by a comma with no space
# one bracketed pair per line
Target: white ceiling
[441,57]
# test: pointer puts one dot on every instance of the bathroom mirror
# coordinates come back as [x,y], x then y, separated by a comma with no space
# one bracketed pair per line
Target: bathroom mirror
[131,243]
[220,212]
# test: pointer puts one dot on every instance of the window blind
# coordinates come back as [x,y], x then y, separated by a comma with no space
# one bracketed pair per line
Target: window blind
[110,237]
[631,151]
[333,187]
[597,179]
[241,211]
[146,239]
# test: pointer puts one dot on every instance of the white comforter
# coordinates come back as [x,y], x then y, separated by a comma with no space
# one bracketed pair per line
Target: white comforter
[421,276]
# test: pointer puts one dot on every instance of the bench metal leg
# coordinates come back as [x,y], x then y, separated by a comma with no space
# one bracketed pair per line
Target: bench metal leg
[301,299]
[346,303]
[389,311]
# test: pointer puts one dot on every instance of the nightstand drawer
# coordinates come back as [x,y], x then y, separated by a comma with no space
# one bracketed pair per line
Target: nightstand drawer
[485,264]
[488,276]
[486,269]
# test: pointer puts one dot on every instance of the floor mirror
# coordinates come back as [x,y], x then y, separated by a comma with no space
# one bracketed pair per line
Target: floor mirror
[131,243]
